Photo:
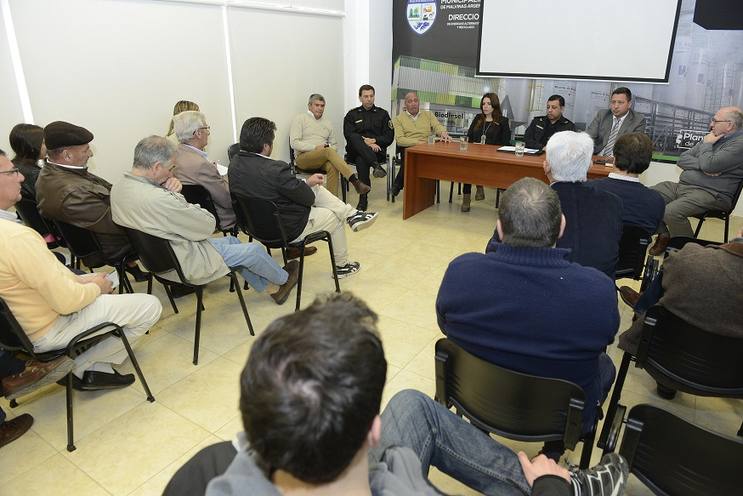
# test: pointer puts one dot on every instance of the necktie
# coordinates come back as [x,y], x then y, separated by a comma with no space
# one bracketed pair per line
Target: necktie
[609,148]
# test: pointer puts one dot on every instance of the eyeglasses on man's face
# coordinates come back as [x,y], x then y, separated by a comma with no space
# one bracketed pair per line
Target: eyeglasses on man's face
[14,170]
[715,121]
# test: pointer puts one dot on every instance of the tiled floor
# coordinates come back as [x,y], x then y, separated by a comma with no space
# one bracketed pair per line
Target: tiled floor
[126,445]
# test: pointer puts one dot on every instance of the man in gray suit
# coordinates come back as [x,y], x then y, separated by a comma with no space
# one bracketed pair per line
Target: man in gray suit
[610,124]
[712,172]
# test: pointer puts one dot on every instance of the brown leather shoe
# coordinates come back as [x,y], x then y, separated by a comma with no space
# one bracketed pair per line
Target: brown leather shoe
[10,430]
[282,294]
[36,375]
[629,296]
[293,251]
[659,247]
[361,188]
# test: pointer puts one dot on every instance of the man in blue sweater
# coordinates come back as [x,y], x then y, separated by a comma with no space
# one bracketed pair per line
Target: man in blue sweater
[524,306]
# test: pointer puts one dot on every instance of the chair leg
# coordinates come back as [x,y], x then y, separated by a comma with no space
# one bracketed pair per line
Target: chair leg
[451,191]
[438,191]
[149,283]
[699,226]
[299,278]
[332,262]
[585,455]
[239,292]
[170,297]
[497,197]
[727,228]
[70,420]
[135,364]
[197,329]
[614,401]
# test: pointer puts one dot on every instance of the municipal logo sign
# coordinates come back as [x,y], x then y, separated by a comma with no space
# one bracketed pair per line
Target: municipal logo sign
[687,138]
[421,15]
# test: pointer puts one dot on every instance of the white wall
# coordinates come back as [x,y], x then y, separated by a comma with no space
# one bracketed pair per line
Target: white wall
[117,67]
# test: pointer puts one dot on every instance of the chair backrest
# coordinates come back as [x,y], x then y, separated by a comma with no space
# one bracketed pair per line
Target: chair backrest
[29,213]
[688,358]
[12,336]
[678,242]
[260,219]
[193,477]
[633,245]
[512,404]
[82,243]
[673,456]
[155,253]
[198,195]
[233,150]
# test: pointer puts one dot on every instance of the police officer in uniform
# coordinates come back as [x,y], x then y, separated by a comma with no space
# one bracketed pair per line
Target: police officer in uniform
[542,128]
[368,131]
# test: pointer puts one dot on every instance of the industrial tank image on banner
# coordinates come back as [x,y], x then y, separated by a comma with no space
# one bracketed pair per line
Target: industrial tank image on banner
[435,53]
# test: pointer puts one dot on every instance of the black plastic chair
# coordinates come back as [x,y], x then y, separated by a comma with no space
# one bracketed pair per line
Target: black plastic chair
[672,456]
[511,404]
[653,266]
[633,247]
[682,357]
[233,150]
[198,195]
[85,246]
[194,476]
[13,338]
[724,215]
[158,257]
[261,219]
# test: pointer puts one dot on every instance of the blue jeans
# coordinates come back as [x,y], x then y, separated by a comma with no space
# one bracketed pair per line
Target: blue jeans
[256,266]
[445,441]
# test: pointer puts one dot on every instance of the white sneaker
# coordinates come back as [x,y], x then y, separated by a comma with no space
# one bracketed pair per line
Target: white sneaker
[347,270]
[361,220]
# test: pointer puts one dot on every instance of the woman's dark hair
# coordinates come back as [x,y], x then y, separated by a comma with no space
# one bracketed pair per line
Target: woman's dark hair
[26,141]
[497,113]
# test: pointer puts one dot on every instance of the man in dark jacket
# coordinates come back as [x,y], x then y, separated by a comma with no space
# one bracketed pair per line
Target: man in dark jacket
[66,191]
[543,127]
[523,304]
[305,205]
[310,397]
[368,131]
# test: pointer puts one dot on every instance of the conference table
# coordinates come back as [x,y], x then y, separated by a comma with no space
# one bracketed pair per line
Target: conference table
[479,164]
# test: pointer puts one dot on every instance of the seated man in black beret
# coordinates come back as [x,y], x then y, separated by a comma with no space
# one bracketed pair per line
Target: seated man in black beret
[67,192]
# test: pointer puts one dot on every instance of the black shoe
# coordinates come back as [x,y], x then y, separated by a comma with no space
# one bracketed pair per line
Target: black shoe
[137,273]
[179,290]
[396,190]
[378,170]
[363,203]
[94,381]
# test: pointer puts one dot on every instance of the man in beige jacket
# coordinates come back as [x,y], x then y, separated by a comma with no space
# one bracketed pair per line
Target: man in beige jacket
[53,305]
[192,166]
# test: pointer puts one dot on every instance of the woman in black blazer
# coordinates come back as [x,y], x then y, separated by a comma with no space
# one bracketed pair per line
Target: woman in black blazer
[491,128]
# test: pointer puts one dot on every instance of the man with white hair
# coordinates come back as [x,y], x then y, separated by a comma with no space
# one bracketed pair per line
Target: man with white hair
[712,173]
[523,304]
[594,217]
[192,165]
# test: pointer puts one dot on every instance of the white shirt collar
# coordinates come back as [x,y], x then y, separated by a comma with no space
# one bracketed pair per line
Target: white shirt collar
[414,117]
[622,177]
[620,119]
[7,215]
[200,152]
[73,167]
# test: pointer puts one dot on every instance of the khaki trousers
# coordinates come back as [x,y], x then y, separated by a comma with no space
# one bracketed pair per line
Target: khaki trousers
[330,214]
[684,201]
[328,160]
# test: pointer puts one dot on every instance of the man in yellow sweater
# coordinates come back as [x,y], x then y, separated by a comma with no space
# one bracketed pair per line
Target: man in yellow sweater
[53,305]
[413,126]
[313,140]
